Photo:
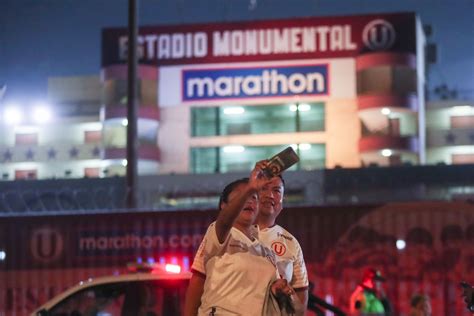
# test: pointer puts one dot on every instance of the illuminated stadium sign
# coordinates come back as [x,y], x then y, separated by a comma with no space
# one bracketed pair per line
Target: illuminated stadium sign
[302,38]
[229,83]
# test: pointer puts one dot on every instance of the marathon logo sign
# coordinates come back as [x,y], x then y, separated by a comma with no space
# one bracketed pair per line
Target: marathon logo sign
[256,82]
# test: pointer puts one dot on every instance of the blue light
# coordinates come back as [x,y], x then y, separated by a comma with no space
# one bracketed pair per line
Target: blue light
[162,260]
[186,263]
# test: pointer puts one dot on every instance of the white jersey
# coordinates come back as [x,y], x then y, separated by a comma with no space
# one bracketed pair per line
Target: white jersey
[238,272]
[289,256]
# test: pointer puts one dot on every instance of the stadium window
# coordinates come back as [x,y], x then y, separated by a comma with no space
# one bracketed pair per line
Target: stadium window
[257,119]
[242,158]
[458,159]
[387,79]
[30,174]
[466,121]
[26,139]
[92,137]
[92,172]
[311,117]
[205,121]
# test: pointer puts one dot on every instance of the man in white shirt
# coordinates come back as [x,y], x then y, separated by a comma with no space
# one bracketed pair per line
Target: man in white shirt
[289,256]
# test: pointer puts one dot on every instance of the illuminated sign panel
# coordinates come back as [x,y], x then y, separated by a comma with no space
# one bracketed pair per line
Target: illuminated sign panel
[303,38]
[254,82]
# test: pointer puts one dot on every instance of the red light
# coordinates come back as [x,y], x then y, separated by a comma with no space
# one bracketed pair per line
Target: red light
[172,268]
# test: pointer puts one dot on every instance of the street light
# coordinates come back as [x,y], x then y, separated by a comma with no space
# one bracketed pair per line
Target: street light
[42,113]
[12,115]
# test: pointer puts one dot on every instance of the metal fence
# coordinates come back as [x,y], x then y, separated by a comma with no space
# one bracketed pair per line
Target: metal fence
[338,186]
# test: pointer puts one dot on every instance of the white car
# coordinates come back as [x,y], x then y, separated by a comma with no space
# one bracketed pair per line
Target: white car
[146,292]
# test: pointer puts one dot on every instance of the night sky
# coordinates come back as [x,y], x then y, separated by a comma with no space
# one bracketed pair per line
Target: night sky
[43,38]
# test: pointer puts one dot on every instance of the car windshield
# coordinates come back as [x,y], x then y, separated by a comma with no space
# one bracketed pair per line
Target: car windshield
[140,298]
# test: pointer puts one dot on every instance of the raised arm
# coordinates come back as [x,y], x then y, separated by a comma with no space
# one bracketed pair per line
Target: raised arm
[230,210]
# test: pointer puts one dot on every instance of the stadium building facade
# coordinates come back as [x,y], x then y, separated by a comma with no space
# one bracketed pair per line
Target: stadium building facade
[214,98]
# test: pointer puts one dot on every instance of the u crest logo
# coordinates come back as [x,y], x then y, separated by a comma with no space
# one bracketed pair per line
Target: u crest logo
[46,244]
[379,35]
[279,248]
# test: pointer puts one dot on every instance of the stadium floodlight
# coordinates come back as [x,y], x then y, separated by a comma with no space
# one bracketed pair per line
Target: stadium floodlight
[124,122]
[124,162]
[304,107]
[42,113]
[304,146]
[12,115]
[234,149]
[234,110]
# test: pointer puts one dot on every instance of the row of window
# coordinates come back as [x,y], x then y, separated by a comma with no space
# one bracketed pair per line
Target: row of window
[216,121]
[387,79]
[32,174]
[238,120]
[115,92]
[221,160]
[90,137]
[240,158]
[114,136]
[257,119]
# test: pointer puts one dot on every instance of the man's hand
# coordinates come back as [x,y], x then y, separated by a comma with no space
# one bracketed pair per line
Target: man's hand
[281,287]
[286,298]
[257,179]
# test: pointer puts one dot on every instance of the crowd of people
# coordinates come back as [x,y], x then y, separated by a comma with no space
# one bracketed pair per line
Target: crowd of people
[248,265]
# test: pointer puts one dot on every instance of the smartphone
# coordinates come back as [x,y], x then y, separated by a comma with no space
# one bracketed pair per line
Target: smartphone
[280,162]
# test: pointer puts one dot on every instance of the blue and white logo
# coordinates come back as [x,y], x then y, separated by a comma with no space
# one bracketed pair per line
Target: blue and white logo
[258,82]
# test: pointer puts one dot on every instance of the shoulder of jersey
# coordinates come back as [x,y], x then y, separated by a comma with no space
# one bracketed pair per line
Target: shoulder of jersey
[284,234]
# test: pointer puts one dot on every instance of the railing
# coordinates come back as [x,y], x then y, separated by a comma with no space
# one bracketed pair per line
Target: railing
[338,186]
[450,137]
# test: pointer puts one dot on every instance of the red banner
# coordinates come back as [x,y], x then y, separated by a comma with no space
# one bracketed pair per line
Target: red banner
[303,38]
[419,247]
[101,240]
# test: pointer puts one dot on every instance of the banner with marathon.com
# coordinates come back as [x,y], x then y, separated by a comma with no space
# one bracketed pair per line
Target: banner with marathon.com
[302,38]
[100,240]
[419,247]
